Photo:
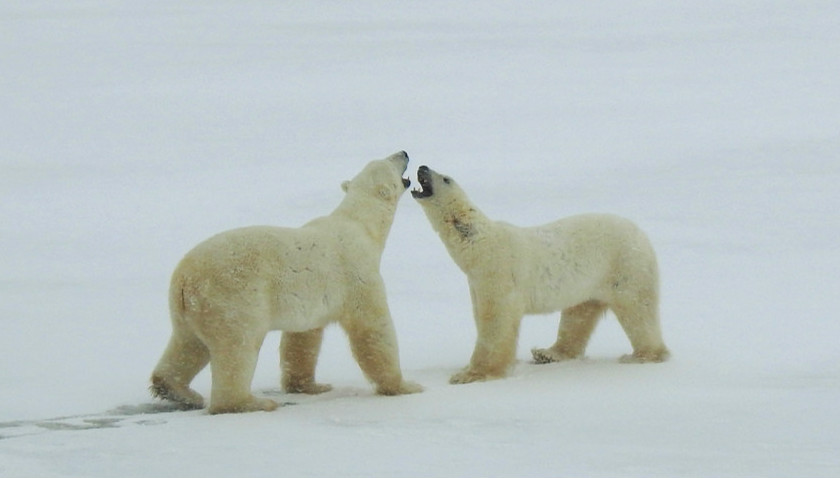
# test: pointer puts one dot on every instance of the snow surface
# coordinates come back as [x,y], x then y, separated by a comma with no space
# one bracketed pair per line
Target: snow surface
[130,131]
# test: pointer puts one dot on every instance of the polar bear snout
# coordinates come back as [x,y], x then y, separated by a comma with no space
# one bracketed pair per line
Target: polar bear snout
[424,177]
[402,157]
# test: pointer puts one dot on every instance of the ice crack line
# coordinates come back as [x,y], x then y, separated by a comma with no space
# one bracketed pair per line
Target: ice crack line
[111,419]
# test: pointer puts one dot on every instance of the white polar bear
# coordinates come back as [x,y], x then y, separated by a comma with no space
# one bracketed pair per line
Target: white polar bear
[233,288]
[581,265]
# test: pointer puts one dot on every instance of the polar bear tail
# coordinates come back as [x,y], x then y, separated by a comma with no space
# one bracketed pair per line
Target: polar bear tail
[177,298]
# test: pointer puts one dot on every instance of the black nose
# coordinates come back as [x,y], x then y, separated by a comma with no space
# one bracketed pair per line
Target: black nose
[404,154]
[423,168]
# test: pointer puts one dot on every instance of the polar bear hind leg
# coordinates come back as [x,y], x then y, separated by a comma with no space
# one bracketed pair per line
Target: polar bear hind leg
[639,317]
[576,326]
[298,357]
[233,360]
[184,357]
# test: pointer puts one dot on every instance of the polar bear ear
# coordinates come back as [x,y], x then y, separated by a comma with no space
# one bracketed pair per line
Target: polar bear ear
[345,186]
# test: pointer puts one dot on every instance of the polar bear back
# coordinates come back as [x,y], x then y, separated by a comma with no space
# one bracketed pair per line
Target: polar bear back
[289,276]
[580,258]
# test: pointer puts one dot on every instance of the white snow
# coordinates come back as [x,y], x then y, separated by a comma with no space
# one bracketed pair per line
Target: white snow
[129,131]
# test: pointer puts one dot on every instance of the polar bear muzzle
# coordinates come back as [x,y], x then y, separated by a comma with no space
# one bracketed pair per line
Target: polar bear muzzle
[424,177]
[404,156]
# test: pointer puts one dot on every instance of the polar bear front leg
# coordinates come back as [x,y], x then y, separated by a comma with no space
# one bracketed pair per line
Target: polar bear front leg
[497,323]
[298,357]
[374,345]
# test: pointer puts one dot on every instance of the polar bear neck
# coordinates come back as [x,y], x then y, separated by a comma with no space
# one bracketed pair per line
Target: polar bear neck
[462,228]
[375,215]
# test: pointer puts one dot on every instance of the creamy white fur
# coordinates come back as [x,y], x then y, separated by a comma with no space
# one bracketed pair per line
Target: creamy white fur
[233,288]
[580,265]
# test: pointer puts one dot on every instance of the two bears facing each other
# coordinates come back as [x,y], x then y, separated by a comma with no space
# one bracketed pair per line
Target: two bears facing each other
[229,291]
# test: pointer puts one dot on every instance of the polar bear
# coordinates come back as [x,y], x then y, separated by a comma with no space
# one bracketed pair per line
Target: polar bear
[581,265]
[233,288]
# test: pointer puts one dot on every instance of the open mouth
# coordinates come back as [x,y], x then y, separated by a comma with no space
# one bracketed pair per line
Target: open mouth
[424,177]
[406,182]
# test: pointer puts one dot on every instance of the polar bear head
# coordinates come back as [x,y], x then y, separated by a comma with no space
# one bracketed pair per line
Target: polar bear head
[450,212]
[382,179]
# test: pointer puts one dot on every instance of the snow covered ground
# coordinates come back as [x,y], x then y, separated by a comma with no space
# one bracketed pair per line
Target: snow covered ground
[129,131]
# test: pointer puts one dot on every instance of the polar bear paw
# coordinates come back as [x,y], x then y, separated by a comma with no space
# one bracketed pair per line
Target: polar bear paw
[549,355]
[253,404]
[469,375]
[185,397]
[404,388]
[309,387]
[649,356]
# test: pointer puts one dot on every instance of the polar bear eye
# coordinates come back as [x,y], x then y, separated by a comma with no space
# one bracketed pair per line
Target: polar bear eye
[446,180]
